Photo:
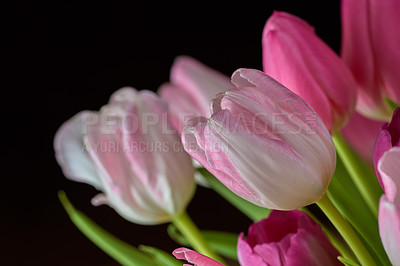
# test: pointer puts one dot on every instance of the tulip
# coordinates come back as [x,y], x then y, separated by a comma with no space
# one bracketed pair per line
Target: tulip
[127,151]
[194,257]
[296,57]
[370,47]
[264,143]
[193,85]
[388,138]
[387,166]
[286,238]
[389,206]
[361,132]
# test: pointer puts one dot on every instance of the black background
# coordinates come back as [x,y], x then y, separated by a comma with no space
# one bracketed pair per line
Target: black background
[62,57]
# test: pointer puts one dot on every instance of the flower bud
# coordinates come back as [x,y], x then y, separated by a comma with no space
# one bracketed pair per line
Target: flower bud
[264,143]
[370,47]
[128,151]
[296,57]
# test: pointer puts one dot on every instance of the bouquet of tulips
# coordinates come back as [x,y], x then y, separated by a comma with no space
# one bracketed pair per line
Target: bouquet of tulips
[308,148]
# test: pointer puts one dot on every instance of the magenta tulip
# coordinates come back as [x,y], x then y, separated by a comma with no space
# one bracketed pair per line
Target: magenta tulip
[128,151]
[370,47]
[193,85]
[296,57]
[264,143]
[193,257]
[388,138]
[361,134]
[286,238]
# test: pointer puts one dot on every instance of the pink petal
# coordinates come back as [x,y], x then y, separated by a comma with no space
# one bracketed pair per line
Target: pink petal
[297,58]
[389,169]
[382,144]
[193,257]
[385,37]
[182,106]
[71,151]
[246,255]
[199,81]
[389,228]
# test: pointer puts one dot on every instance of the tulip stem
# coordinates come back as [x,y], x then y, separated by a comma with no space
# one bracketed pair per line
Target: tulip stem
[193,235]
[368,188]
[346,231]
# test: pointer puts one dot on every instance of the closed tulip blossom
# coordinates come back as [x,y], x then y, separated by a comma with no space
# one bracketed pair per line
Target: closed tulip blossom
[387,158]
[286,238]
[370,47]
[128,151]
[264,143]
[193,257]
[296,57]
[191,88]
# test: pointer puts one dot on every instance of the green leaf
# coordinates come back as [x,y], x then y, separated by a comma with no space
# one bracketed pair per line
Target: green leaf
[224,243]
[160,257]
[347,262]
[254,212]
[347,199]
[119,250]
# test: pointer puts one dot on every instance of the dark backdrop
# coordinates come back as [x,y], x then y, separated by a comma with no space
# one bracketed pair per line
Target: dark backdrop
[62,57]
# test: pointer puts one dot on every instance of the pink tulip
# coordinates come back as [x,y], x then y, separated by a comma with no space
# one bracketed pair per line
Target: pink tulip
[193,257]
[361,133]
[389,206]
[264,143]
[128,151]
[387,166]
[296,57]
[388,138]
[193,86]
[370,47]
[286,238]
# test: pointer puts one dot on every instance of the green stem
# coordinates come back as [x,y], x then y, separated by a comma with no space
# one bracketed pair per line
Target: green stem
[193,235]
[346,231]
[353,166]
[336,241]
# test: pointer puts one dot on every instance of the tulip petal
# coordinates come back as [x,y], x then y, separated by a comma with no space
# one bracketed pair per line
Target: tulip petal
[193,257]
[182,107]
[295,56]
[70,148]
[199,81]
[382,144]
[385,37]
[389,169]
[247,256]
[311,249]
[389,228]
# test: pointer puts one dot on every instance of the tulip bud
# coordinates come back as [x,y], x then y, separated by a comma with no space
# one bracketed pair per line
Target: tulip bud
[264,143]
[296,57]
[286,238]
[192,256]
[193,86]
[388,138]
[370,47]
[128,151]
